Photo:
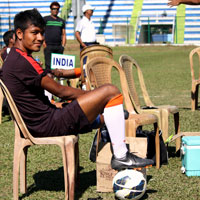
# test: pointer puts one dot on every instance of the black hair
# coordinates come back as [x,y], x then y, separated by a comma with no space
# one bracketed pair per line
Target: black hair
[55,3]
[28,17]
[7,36]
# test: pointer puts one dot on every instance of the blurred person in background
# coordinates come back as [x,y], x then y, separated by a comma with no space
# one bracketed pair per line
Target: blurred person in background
[85,30]
[55,34]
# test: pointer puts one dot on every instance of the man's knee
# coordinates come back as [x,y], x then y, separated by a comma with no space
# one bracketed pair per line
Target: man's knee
[111,89]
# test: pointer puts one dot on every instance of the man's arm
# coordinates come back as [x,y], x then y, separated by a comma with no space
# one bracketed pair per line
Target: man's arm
[67,73]
[178,2]
[63,37]
[63,92]
[78,37]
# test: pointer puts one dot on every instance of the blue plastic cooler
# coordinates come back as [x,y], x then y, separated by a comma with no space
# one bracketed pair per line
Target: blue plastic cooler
[190,151]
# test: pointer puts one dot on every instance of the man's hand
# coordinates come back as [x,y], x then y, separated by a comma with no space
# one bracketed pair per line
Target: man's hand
[57,72]
[187,2]
[66,73]
[61,91]
[83,45]
[172,3]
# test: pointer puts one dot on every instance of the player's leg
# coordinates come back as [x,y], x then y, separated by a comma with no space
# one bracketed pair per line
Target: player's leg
[94,102]
[108,100]
[47,57]
[60,49]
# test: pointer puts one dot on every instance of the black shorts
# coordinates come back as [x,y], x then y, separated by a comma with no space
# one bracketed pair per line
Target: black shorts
[70,120]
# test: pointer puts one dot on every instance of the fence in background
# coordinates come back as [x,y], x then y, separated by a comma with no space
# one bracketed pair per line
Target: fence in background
[148,30]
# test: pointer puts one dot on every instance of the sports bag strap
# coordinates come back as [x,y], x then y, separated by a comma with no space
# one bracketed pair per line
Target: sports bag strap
[98,140]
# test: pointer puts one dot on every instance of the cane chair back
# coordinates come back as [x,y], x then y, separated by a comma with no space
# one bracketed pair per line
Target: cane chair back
[1,105]
[1,94]
[195,79]
[1,62]
[90,52]
[23,140]
[128,64]
[99,73]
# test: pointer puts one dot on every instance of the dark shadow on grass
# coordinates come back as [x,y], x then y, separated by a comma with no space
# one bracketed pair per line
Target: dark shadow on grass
[198,108]
[87,179]
[146,196]
[149,178]
[6,117]
[184,108]
[53,180]
[6,120]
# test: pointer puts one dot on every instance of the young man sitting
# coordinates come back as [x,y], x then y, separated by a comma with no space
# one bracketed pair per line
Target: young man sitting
[26,81]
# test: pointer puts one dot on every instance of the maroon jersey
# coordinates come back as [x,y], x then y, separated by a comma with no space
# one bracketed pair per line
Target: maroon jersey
[22,75]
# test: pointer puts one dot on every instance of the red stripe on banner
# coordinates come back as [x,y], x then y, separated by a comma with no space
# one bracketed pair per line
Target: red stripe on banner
[33,62]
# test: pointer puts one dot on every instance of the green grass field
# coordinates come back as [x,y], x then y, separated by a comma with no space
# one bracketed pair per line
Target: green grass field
[167,75]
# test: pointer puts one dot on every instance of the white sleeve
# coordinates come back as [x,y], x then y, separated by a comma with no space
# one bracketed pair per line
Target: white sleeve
[79,26]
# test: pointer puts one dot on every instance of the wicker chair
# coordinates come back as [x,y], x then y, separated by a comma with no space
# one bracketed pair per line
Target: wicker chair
[195,82]
[1,105]
[99,73]
[1,94]
[23,140]
[87,54]
[128,64]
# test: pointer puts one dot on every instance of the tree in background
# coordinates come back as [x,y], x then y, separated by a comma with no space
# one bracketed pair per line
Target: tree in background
[66,9]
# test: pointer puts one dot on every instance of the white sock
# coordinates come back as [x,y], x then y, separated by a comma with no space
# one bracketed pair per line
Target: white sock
[115,122]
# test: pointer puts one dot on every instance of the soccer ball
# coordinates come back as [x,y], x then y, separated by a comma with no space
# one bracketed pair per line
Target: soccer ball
[129,184]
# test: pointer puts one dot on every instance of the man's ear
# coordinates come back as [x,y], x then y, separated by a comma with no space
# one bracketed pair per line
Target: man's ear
[19,34]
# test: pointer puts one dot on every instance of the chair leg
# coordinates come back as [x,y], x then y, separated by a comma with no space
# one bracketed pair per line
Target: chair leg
[77,169]
[70,156]
[16,163]
[177,130]
[23,169]
[157,145]
[1,105]
[165,124]
[98,140]
[65,169]
[192,101]
[69,162]
[194,97]
[131,127]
